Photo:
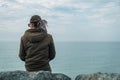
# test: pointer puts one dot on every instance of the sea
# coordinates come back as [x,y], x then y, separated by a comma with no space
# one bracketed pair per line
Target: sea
[72,58]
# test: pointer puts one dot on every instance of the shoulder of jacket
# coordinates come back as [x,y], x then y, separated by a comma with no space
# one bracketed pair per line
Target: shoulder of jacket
[49,36]
[25,35]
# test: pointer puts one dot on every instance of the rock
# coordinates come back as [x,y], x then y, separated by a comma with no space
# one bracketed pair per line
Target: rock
[61,76]
[45,75]
[42,75]
[14,75]
[99,76]
[23,75]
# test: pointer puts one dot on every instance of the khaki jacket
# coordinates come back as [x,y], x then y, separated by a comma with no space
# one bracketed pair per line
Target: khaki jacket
[37,49]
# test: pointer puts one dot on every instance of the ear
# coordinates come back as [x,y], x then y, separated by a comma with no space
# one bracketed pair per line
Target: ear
[30,25]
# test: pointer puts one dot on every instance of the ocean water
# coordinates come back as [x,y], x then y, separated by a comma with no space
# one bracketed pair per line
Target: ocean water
[72,58]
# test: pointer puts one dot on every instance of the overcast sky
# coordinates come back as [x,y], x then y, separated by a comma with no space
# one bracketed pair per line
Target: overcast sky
[68,20]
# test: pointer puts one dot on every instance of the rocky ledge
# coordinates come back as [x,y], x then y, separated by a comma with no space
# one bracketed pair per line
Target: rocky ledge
[99,76]
[45,75]
[23,75]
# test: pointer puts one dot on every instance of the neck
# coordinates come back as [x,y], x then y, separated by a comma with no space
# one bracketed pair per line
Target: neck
[32,28]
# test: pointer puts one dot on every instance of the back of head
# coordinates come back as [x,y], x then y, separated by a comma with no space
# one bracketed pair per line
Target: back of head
[35,19]
[38,22]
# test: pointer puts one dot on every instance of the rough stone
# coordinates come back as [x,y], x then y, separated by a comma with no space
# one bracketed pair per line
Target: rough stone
[14,75]
[98,76]
[23,75]
[60,76]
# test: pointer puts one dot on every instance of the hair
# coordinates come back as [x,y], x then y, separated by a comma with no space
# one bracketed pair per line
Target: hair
[38,22]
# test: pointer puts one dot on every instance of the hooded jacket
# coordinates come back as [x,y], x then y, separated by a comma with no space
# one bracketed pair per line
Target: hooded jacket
[37,49]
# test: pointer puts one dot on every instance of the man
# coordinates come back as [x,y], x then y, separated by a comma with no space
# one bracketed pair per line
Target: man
[37,47]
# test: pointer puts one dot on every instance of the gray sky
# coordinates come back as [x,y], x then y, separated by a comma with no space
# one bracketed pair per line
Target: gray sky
[68,20]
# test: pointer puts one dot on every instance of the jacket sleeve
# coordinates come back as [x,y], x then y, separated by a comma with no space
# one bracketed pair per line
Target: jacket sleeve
[52,51]
[22,52]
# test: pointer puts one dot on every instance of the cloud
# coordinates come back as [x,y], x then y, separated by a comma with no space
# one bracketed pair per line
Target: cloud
[10,10]
[65,18]
[44,3]
[107,13]
[43,7]
[51,5]
[1,1]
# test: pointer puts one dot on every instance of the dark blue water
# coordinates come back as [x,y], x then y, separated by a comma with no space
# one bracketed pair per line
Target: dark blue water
[72,58]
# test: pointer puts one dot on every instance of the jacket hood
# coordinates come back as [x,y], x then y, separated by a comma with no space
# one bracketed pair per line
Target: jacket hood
[35,35]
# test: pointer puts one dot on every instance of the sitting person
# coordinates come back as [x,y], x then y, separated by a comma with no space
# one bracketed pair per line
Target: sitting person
[37,47]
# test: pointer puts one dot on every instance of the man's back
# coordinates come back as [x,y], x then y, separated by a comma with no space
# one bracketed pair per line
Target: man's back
[37,49]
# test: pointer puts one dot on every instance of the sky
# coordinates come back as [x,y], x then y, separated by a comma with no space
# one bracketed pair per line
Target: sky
[68,20]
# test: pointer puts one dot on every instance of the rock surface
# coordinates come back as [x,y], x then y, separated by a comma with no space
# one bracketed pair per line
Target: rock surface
[45,75]
[99,76]
[23,75]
